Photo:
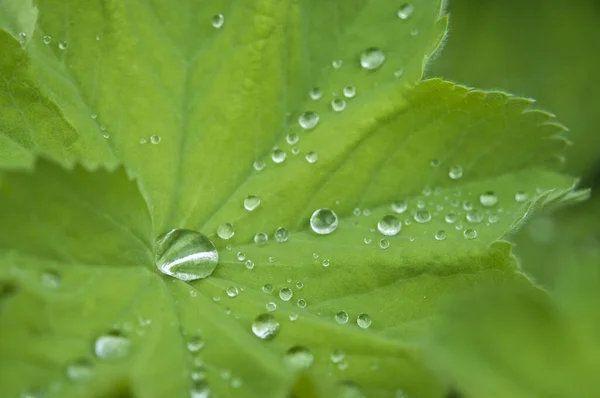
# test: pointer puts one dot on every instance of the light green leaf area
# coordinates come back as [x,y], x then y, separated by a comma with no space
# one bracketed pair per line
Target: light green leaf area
[518,342]
[200,118]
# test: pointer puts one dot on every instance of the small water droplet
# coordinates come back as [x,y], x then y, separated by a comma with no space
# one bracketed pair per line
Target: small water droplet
[356,211]
[315,255]
[363,320]
[312,157]
[293,316]
[241,256]
[308,120]
[251,202]
[493,219]
[232,291]
[299,357]
[399,206]
[323,221]
[435,163]
[258,165]
[474,216]
[155,139]
[217,21]
[295,150]
[399,73]
[414,32]
[186,255]
[338,104]
[337,64]
[236,383]
[299,285]
[271,306]
[195,343]
[80,370]
[467,205]
[200,389]
[341,317]
[143,141]
[422,216]
[389,226]
[225,231]
[267,288]
[337,356]
[405,11]
[326,262]
[450,218]
[249,264]
[488,199]
[315,93]
[62,45]
[470,234]
[440,235]
[349,91]
[261,239]
[455,172]
[372,58]
[112,346]
[521,196]
[420,204]
[265,326]
[51,279]
[384,243]
[278,156]
[46,39]
[285,293]
[292,138]
[281,235]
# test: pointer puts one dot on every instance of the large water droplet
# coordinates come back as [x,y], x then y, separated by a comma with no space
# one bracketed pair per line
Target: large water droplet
[155,139]
[341,317]
[261,239]
[324,221]
[488,199]
[455,172]
[308,120]
[422,216]
[225,231]
[251,202]
[217,21]
[186,255]
[372,58]
[80,370]
[470,234]
[299,357]
[285,293]
[281,234]
[405,11]
[112,346]
[265,326]
[278,156]
[399,206]
[363,320]
[389,225]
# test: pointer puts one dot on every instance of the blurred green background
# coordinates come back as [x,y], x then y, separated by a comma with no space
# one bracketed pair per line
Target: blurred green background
[548,50]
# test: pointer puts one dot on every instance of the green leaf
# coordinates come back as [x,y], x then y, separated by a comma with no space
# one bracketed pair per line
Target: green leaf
[192,113]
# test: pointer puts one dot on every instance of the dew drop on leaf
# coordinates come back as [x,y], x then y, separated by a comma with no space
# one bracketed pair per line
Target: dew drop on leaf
[337,64]
[51,279]
[337,356]
[241,256]
[315,93]
[258,165]
[281,235]
[278,156]
[232,291]
[292,138]
[299,285]
[455,172]
[285,293]
[261,239]
[299,357]
[389,225]
[293,316]
[186,255]
[338,104]
[251,202]
[271,306]
[372,58]
[323,221]
[308,120]
[405,11]
[363,320]
[521,196]
[399,206]
[80,370]
[225,231]
[326,262]
[341,317]
[440,235]
[200,389]
[217,21]
[62,45]
[195,344]
[474,216]
[470,234]
[450,218]
[112,346]
[312,157]
[399,73]
[467,205]
[155,139]
[384,243]
[267,288]
[46,39]
[351,390]
[422,216]
[249,264]
[265,326]
[349,91]
[488,199]
[301,303]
